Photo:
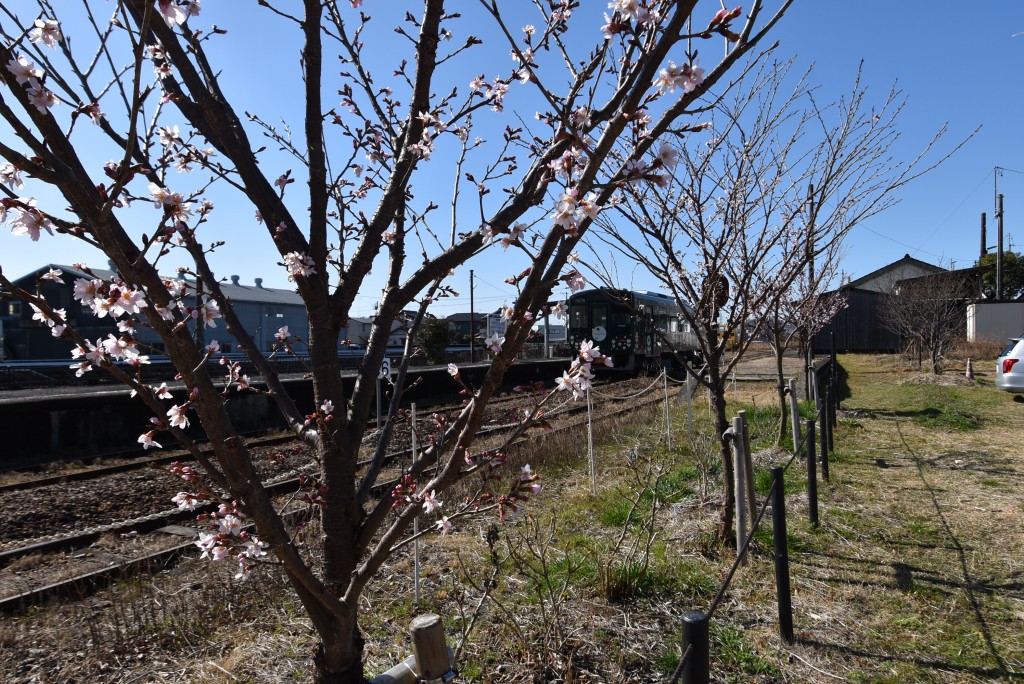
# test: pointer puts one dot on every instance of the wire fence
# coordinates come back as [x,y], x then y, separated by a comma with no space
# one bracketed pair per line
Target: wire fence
[694,664]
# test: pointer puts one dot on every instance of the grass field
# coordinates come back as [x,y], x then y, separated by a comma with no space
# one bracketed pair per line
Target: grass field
[915,573]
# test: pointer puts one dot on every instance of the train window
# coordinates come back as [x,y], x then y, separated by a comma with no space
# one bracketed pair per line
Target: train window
[620,318]
[599,315]
[673,325]
[578,316]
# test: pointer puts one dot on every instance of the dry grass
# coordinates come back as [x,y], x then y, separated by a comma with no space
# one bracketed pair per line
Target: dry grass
[916,573]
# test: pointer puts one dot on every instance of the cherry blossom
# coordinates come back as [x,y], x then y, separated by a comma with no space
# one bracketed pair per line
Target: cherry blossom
[10,175]
[298,265]
[453,370]
[171,12]
[53,275]
[147,441]
[430,503]
[45,31]
[575,281]
[186,501]
[30,221]
[42,98]
[230,524]
[494,343]
[686,76]
[162,392]
[443,526]
[24,71]
[177,416]
[667,157]
[282,334]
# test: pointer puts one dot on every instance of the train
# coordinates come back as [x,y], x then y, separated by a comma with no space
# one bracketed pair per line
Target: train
[642,331]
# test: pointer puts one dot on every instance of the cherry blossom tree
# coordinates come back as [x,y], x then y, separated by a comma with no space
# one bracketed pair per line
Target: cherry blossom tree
[798,315]
[728,227]
[122,135]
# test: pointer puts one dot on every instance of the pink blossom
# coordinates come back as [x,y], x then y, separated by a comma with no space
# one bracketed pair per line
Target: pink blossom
[147,441]
[42,98]
[213,347]
[185,501]
[171,12]
[177,416]
[430,504]
[10,175]
[30,221]
[230,524]
[576,282]
[53,275]
[443,526]
[298,264]
[327,407]
[494,343]
[24,70]
[45,31]
[162,392]
[453,370]
[282,334]
[667,156]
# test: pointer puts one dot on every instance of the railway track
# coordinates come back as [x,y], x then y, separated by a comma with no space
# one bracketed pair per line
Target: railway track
[138,459]
[171,522]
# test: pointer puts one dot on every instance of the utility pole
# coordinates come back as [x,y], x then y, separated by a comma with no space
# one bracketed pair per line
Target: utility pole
[984,237]
[810,285]
[472,321]
[999,248]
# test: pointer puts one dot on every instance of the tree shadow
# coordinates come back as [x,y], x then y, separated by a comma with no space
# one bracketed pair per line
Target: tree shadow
[982,672]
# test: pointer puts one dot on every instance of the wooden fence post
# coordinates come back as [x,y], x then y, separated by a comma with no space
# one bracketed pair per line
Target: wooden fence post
[735,433]
[748,465]
[431,660]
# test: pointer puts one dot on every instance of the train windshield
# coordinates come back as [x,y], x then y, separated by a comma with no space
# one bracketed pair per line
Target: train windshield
[578,315]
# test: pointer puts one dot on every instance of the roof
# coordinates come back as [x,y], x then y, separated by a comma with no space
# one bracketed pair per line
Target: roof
[907,260]
[477,317]
[237,293]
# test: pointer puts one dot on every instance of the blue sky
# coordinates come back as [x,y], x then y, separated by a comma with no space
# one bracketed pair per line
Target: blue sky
[952,66]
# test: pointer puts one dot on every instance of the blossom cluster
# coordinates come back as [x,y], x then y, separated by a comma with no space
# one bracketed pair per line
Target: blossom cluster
[580,375]
[47,32]
[231,539]
[572,210]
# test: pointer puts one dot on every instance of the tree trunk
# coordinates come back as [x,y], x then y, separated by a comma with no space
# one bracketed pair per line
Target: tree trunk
[725,527]
[781,388]
[339,660]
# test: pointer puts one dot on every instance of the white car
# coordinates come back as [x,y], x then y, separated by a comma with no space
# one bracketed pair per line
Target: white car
[1010,367]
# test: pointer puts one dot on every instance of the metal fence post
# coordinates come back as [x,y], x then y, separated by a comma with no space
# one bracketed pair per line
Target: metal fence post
[827,407]
[794,414]
[812,475]
[697,665]
[823,437]
[782,589]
